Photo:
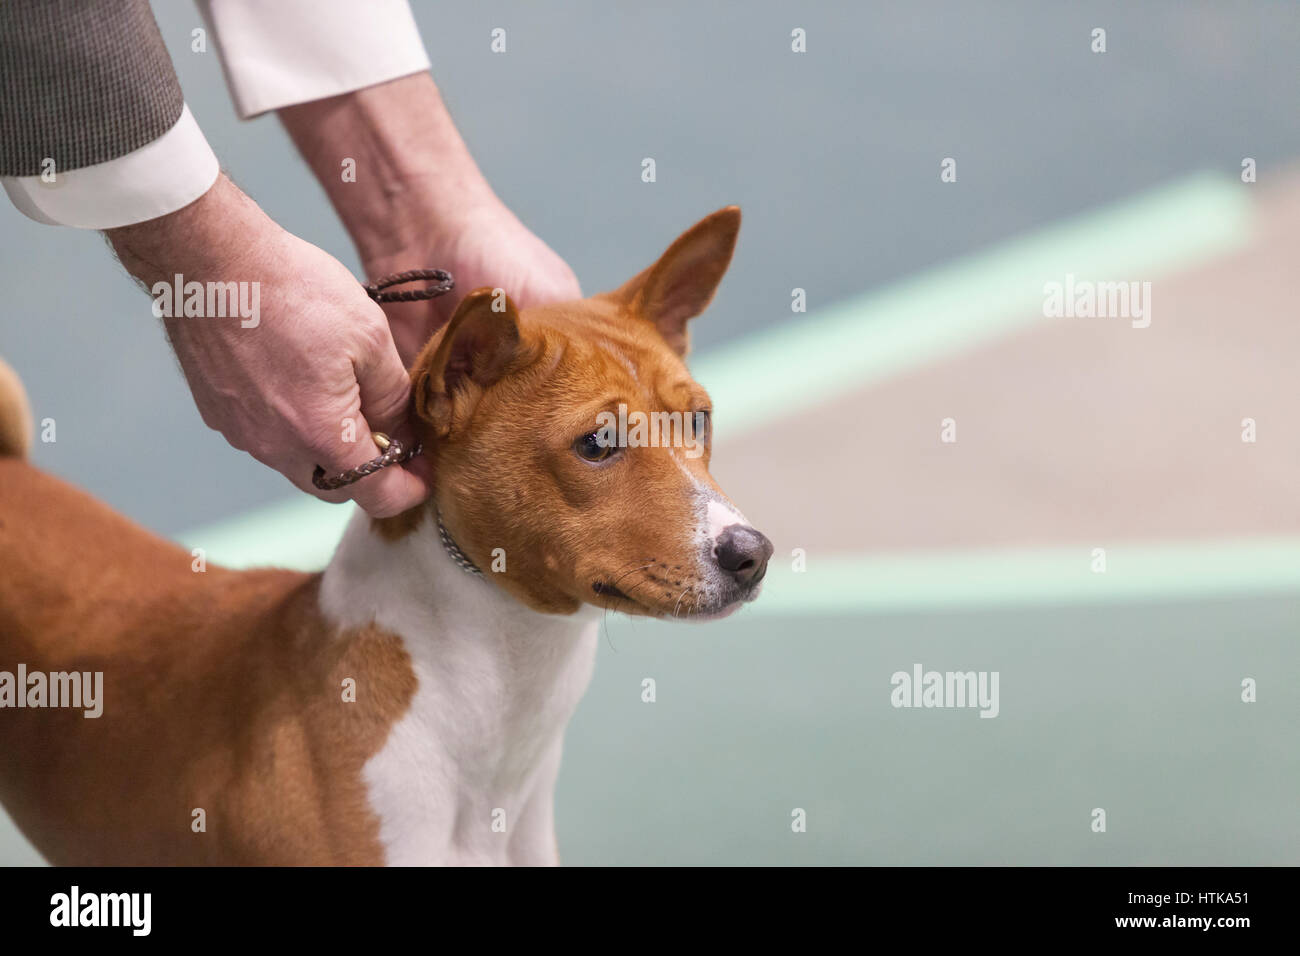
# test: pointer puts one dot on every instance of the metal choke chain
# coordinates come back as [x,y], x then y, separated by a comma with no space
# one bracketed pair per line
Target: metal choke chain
[394,452]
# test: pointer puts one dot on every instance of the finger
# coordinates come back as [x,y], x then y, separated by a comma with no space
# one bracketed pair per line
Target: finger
[389,492]
[300,468]
[422,468]
[385,385]
[383,494]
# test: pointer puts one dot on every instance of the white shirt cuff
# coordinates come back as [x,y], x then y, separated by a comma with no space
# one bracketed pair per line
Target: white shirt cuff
[160,177]
[277,53]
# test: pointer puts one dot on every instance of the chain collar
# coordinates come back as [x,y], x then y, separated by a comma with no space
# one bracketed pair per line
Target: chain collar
[458,556]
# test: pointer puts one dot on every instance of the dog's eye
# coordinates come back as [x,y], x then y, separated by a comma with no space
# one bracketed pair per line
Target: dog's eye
[703,425]
[594,446]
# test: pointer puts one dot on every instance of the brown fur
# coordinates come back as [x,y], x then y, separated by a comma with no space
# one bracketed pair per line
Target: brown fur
[222,691]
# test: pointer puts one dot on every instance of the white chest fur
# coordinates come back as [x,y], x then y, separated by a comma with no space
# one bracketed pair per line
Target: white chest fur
[468,773]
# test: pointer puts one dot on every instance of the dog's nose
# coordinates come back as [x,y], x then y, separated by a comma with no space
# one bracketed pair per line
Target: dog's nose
[743,552]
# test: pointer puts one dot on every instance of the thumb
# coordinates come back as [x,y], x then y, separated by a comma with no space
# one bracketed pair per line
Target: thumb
[388,492]
[385,389]
[385,386]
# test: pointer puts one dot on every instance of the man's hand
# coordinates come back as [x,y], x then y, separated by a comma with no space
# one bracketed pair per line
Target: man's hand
[418,201]
[483,246]
[318,370]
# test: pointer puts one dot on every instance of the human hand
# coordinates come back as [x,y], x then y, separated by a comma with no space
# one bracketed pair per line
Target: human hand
[483,246]
[304,379]
[418,201]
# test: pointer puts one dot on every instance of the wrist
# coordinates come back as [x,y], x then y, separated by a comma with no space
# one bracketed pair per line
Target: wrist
[392,163]
[201,238]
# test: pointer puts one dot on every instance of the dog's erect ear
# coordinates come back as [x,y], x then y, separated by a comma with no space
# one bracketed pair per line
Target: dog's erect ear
[476,349]
[681,284]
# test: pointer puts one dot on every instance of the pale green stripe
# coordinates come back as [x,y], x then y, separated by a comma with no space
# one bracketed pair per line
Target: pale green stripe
[807,361]
[300,533]
[848,584]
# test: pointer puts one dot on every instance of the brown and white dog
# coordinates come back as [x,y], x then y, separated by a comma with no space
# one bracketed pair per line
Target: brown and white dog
[224,691]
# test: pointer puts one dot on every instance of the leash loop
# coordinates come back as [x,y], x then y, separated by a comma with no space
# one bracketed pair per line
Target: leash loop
[444,284]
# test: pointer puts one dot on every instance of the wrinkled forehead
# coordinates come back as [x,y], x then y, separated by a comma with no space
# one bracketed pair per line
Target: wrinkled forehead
[596,354]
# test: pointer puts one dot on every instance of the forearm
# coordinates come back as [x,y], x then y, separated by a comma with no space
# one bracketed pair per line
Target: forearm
[413,171]
[419,201]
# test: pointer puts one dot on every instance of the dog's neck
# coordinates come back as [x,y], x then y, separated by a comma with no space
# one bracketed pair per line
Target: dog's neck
[413,583]
[498,683]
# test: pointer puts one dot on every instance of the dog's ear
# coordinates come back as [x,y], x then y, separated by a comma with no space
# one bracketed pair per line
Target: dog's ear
[681,284]
[477,347]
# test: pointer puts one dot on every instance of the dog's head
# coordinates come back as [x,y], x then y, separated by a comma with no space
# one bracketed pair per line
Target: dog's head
[570,445]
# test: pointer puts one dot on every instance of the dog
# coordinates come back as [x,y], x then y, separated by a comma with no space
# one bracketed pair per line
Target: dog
[406,706]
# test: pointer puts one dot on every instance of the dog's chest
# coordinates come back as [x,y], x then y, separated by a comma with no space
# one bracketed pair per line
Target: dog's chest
[467,774]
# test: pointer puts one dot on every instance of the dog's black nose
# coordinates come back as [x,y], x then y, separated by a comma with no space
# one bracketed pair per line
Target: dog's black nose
[743,552]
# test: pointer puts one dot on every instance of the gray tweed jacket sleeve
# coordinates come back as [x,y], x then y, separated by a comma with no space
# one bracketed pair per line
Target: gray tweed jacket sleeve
[81,82]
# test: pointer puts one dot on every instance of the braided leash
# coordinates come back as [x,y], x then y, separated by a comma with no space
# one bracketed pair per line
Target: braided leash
[394,452]
[445,283]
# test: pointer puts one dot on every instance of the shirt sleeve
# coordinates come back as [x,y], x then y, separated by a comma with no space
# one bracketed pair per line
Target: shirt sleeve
[160,177]
[277,53]
[94,131]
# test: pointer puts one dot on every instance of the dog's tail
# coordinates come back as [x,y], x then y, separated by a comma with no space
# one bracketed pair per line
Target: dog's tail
[15,415]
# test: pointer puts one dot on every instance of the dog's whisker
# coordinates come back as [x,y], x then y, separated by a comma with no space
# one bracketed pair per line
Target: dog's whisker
[679,599]
[644,567]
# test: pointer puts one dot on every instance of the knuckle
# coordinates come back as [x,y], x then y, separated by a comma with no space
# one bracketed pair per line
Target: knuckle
[338,438]
[372,331]
[328,449]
